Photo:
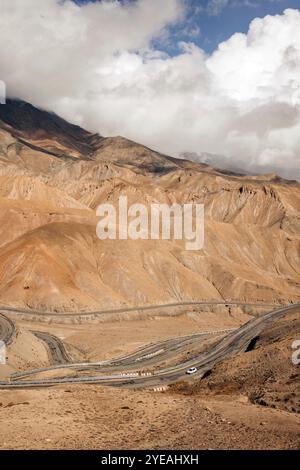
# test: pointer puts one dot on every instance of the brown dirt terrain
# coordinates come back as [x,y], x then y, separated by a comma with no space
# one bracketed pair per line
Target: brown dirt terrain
[96,418]
[250,401]
[52,177]
[265,374]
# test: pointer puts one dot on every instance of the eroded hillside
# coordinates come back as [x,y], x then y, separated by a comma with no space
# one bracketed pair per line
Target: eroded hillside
[53,176]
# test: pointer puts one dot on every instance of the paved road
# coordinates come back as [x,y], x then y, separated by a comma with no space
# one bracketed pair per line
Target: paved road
[57,350]
[134,309]
[233,343]
[7,329]
[147,356]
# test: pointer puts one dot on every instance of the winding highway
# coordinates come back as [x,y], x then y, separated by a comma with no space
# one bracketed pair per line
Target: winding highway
[97,313]
[7,329]
[57,350]
[234,342]
[147,356]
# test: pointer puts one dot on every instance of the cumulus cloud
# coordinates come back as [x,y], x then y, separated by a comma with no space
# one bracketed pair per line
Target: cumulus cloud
[97,66]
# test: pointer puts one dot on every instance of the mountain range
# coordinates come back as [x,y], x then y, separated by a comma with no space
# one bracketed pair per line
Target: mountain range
[53,175]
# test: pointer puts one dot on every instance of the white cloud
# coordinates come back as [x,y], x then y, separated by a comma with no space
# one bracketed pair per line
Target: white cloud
[96,66]
[214,7]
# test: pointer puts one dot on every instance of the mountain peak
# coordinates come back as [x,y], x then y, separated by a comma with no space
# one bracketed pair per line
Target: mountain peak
[31,124]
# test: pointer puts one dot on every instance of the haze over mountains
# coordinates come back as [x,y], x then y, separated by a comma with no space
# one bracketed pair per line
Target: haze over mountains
[54,175]
[238,165]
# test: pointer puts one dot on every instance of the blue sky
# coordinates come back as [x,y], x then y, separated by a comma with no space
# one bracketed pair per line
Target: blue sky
[233,18]
[209,22]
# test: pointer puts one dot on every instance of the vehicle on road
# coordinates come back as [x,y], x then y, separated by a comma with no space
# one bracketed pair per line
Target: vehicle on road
[192,370]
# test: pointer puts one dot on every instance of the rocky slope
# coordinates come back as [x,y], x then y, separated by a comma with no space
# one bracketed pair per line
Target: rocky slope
[265,374]
[53,176]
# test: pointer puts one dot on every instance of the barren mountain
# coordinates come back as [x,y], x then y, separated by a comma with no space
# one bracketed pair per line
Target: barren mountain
[53,176]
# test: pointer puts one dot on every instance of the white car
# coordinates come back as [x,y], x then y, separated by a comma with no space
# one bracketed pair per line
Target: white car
[191,371]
